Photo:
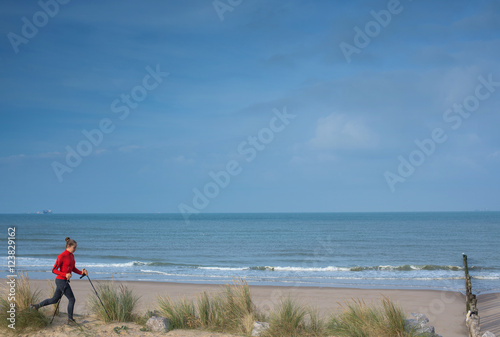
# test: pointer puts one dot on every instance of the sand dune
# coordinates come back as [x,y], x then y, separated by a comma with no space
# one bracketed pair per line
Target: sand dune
[445,310]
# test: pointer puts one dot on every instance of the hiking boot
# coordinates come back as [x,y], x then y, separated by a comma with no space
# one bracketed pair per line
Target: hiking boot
[72,322]
[34,307]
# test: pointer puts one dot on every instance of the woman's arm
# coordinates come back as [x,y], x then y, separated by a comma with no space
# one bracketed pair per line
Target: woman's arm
[57,266]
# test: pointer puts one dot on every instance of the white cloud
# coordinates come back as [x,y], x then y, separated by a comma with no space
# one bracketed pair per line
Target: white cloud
[338,131]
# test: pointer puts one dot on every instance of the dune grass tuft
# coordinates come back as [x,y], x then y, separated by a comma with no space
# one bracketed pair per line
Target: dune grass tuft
[118,300]
[26,319]
[181,314]
[315,325]
[290,318]
[361,320]
[236,308]
[230,310]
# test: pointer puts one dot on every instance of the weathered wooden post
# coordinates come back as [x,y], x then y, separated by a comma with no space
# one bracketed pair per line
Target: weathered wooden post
[468,285]
[472,318]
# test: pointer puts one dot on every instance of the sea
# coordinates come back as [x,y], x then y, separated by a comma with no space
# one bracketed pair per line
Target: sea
[360,250]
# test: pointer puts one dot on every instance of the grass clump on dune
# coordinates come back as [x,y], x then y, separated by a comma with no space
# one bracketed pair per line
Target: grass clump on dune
[181,314]
[26,319]
[360,320]
[119,302]
[291,319]
[230,310]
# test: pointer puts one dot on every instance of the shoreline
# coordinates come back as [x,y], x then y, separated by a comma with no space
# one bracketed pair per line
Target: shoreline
[445,309]
[252,282]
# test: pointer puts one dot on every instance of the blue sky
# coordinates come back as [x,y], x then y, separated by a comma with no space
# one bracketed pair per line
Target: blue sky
[333,131]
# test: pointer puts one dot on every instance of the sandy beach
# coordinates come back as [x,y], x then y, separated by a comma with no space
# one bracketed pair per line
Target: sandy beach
[445,310]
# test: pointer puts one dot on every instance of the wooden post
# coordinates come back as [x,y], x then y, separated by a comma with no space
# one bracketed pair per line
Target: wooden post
[472,318]
[468,285]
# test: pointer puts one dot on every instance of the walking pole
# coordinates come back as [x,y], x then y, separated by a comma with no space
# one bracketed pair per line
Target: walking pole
[57,307]
[97,295]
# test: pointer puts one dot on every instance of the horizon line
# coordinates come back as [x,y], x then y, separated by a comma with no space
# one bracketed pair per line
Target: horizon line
[275,212]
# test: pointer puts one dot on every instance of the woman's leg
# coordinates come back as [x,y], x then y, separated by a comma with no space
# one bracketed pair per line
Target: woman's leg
[71,301]
[57,294]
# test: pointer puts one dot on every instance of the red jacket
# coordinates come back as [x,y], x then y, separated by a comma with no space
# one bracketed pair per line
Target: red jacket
[65,264]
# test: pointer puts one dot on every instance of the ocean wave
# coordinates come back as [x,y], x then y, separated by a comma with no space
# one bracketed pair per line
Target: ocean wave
[262,268]
[308,278]
[40,262]
[270,268]
[31,262]
[117,265]
[46,262]
[135,264]
[486,277]
[398,278]
[160,272]
[88,264]
[406,267]
[309,269]
[190,276]
[222,268]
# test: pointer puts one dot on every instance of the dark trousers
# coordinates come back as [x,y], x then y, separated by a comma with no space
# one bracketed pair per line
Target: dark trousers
[62,287]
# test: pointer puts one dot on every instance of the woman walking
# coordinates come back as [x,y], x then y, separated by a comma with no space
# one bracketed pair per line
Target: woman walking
[64,266]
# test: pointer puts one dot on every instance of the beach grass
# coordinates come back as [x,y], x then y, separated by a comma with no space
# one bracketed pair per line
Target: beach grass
[26,319]
[290,318]
[230,310]
[359,319]
[236,308]
[181,314]
[316,326]
[117,301]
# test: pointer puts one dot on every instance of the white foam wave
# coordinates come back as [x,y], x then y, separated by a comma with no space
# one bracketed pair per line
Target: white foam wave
[487,277]
[189,276]
[35,262]
[222,268]
[30,262]
[160,272]
[302,269]
[117,265]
